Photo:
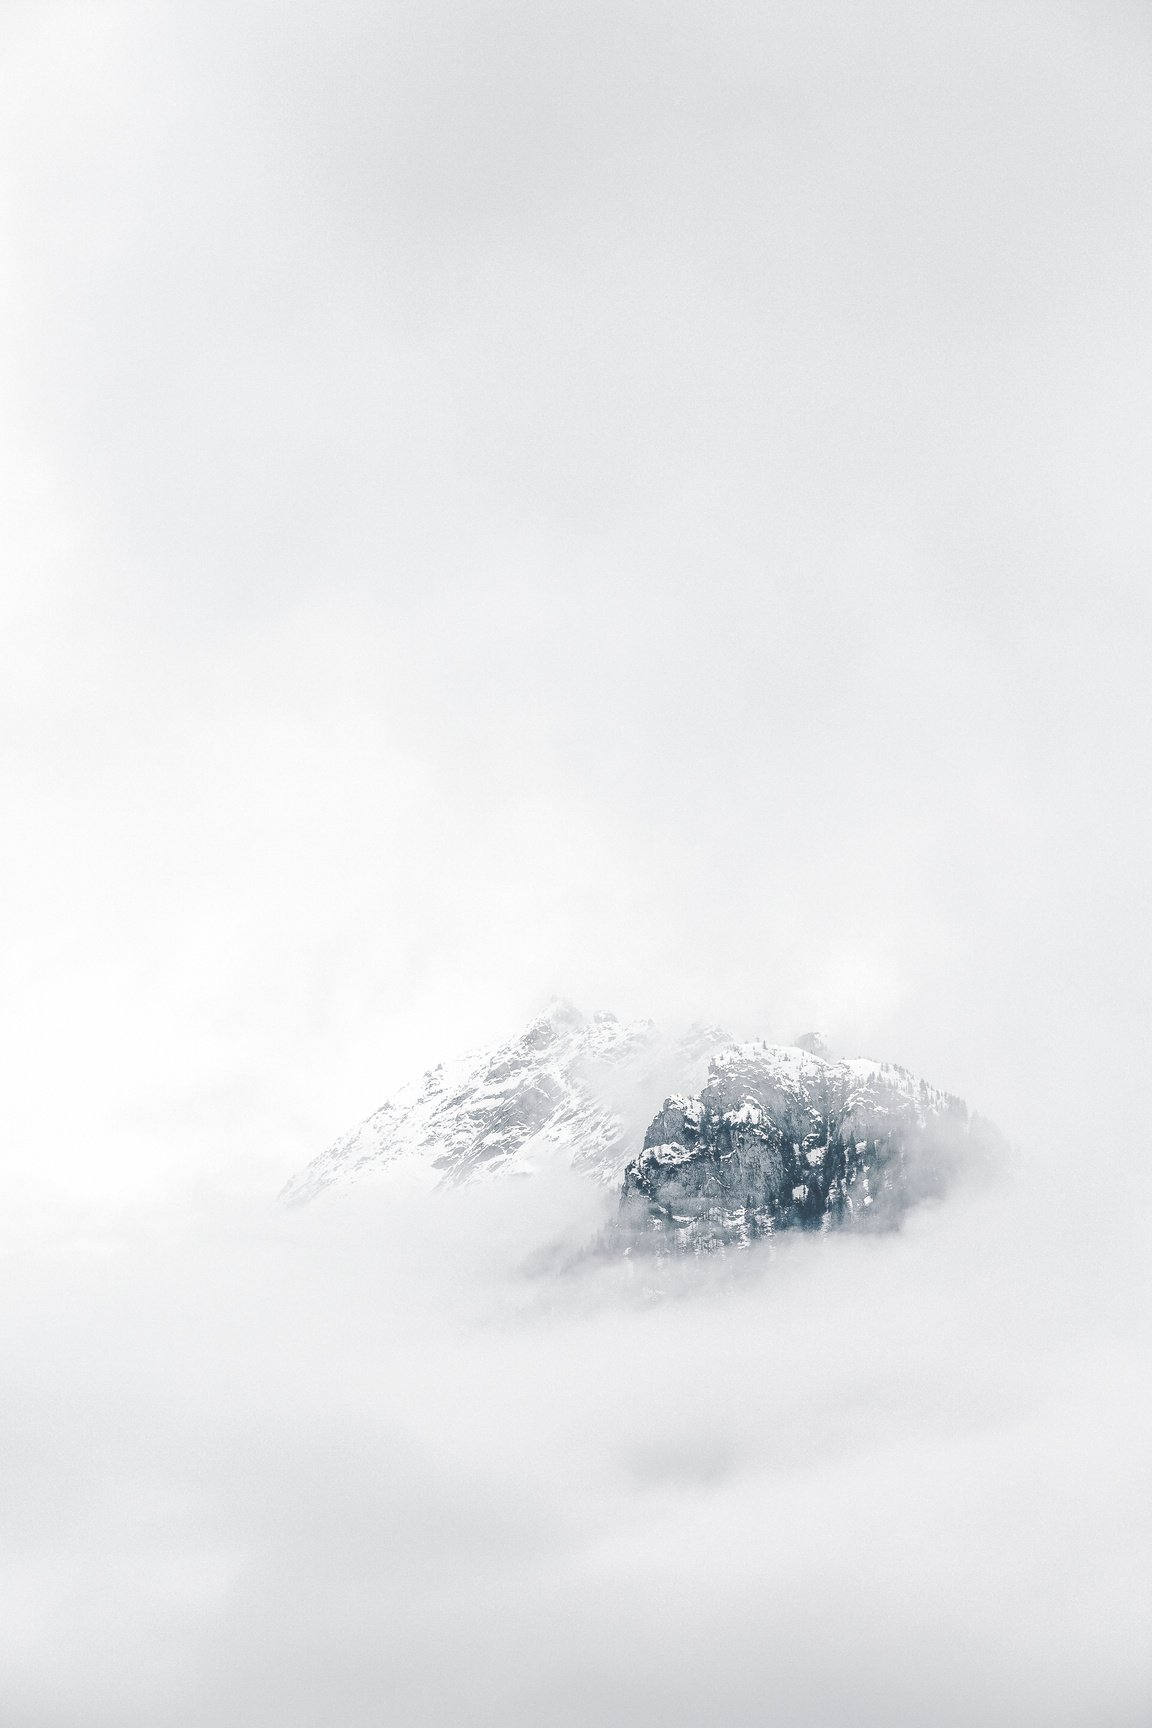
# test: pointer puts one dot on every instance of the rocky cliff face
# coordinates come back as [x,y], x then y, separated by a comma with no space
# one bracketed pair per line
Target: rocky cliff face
[781,1139]
[568,1089]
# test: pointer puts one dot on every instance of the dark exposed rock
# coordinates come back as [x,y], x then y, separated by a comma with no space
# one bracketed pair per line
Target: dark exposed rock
[780,1139]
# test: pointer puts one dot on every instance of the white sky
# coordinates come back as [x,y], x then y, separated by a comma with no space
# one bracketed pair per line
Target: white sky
[643,502]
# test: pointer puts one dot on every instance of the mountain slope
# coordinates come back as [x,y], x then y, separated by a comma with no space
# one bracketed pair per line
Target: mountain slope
[567,1088]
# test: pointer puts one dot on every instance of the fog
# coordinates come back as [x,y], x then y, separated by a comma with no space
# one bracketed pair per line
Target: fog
[355,1464]
[646,503]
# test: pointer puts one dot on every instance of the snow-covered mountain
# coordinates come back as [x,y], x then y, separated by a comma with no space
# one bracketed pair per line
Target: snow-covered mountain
[781,1139]
[750,1139]
[567,1088]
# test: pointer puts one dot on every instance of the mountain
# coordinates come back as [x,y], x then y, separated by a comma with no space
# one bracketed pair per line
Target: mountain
[780,1138]
[751,1138]
[567,1088]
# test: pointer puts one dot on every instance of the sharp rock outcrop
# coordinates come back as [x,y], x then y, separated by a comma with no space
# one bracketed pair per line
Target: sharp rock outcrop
[781,1139]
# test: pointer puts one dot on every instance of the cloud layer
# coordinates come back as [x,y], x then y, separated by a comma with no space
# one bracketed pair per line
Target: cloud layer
[356,1464]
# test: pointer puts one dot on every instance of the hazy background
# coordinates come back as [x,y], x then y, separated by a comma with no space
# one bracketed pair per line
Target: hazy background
[645,502]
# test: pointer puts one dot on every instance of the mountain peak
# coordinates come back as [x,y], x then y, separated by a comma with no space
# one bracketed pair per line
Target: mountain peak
[566,1089]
